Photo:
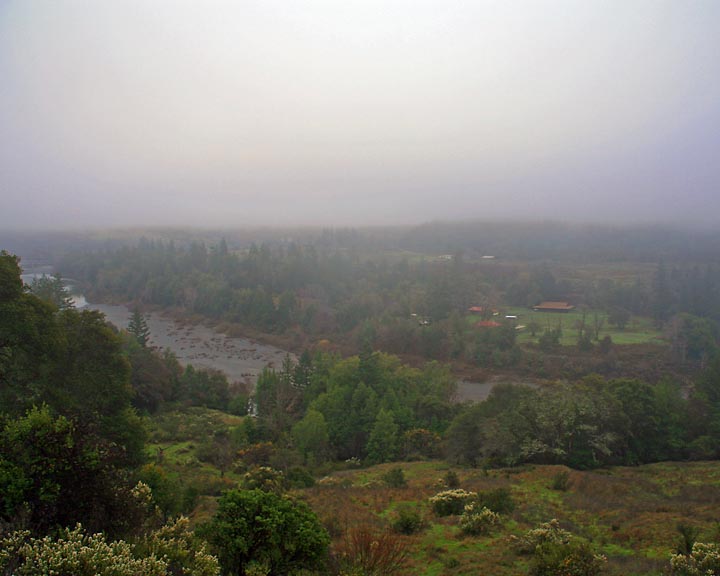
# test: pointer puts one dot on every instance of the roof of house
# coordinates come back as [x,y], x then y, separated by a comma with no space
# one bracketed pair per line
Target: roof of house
[476,309]
[553,306]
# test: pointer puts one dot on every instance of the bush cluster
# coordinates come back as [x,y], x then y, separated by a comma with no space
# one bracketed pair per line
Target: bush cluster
[703,560]
[498,500]
[477,519]
[548,532]
[395,478]
[575,558]
[407,520]
[169,550]
[451,502]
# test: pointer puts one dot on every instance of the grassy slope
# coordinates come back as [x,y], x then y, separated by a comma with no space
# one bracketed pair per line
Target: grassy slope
[630,514]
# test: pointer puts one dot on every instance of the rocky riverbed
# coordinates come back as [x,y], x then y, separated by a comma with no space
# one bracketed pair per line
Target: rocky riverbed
[240,359]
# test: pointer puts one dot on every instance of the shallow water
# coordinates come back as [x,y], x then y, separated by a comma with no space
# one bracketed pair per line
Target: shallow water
[241,359]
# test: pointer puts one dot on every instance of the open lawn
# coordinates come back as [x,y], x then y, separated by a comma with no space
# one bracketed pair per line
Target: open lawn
[640,330]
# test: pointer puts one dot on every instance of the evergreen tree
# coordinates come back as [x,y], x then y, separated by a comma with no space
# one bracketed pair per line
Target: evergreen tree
[383,442]
[138,328]
[311,436]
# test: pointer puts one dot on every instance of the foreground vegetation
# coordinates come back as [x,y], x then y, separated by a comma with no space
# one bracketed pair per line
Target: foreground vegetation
[629,515]
[633,516]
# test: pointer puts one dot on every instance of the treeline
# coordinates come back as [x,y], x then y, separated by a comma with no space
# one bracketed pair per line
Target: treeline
[548,240]
[590,423]
[373,409]
[400,303]
[323,291]
[562,241]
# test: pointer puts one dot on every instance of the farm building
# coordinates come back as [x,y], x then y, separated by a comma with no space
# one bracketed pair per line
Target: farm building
[553,307]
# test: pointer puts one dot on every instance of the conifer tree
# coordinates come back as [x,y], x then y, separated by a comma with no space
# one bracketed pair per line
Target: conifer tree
[383,441]
[138,328]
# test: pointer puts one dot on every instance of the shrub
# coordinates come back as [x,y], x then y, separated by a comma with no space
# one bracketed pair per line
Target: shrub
[561,481]
[299,477]
[190,497]
[264,478]
[703,560]
[73,552]
[239,405]
[258,454]
[421,443]
[176,544]
[451,502]
[395,478]
[165,490]
[688,537]
[546,533]
[498,500]
[452,563]
[253,526]
[407,521]
[574,558]
[367,553]
[478,519]
[451,479]
[211,485]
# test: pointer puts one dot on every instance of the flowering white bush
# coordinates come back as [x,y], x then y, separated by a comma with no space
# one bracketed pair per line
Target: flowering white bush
[174,543]
[451,502]
[478,519]
[169,550]
[264,478]
[704,560]
[546,533]
[77,553]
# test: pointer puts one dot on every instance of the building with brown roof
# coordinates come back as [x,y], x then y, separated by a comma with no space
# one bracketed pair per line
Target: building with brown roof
[553,307]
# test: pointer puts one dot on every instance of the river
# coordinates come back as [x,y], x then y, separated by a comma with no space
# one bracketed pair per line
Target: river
[241,359]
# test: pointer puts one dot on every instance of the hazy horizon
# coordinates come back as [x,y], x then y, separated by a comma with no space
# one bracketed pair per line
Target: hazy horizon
[316,113]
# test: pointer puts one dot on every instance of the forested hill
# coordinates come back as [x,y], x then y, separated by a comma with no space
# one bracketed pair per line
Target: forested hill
[510,240]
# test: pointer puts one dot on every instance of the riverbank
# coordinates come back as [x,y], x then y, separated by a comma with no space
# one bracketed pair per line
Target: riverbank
[241,359]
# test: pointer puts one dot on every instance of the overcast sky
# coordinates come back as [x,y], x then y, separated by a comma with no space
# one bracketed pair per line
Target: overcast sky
[120,112]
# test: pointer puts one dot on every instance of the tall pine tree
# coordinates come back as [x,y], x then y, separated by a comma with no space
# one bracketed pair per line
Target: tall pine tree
[138,328]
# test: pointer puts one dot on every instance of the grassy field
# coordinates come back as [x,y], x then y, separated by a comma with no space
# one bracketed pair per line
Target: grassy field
[177,445]
[628,514]
[640,330]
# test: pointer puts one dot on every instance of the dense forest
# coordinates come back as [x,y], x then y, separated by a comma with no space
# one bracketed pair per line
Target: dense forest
[107,444]
[417,304]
